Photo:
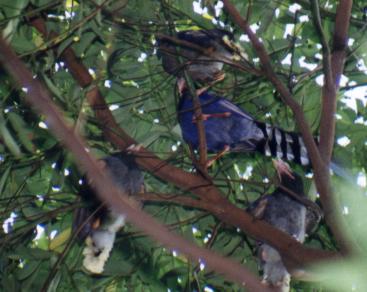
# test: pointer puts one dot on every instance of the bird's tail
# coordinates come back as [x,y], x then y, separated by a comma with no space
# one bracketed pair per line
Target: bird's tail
[275,274]
[281,144]
[290,146]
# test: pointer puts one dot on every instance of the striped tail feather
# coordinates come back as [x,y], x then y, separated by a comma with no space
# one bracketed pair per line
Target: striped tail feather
[284,145]
[290,146]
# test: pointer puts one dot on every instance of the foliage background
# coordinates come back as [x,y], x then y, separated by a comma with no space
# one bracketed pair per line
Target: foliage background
[115,40]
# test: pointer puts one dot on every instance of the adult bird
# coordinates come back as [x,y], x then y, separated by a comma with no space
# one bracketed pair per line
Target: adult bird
[203,53]
[96,223]
[284,210]
[229,128]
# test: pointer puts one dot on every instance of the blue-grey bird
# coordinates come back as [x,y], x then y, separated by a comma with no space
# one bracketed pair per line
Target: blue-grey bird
[96,223]
[228,128]
[284,211]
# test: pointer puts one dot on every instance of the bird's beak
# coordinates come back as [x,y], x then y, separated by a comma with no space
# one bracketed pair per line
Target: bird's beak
[239,52]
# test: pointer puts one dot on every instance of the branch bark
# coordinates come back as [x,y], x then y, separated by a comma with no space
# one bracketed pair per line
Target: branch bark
[333,67]
[178,200]
[286,245]
[328,104]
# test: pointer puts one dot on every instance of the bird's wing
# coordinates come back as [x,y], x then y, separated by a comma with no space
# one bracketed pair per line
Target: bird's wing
[229,106]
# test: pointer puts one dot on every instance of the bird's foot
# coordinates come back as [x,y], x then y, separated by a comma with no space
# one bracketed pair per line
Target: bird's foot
[282,168]
[217,77]
[181,83]
[210,162]
[205,117]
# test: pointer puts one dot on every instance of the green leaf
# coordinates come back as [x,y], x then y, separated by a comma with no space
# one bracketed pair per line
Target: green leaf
[4,178]
[28,269]
[59,240]
[8,139]
[9,282]
[24,133]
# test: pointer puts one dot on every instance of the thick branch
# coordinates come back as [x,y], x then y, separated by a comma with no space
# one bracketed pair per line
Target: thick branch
[289,247]
[40,99]
[322,177]
[327,120]
[332,67]
[324,42]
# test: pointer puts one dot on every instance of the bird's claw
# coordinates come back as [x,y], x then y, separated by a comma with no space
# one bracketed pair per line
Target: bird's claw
[282,168]
[210,162]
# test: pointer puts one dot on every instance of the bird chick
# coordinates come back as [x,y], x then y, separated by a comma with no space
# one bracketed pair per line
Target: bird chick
[97,223]
[285,212]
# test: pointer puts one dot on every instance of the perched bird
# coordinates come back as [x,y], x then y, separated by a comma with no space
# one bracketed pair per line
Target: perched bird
[229,128]
[97,224]
[282,210]
[203,53]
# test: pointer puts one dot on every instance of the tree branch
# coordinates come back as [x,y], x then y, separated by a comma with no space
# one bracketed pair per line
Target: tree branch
[340,39]
[328,107]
